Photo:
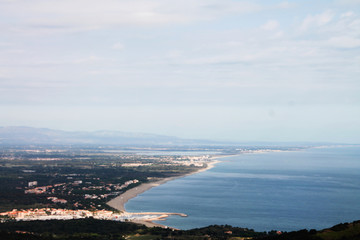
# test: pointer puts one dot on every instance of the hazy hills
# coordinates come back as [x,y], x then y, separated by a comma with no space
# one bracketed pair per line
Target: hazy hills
[30,135]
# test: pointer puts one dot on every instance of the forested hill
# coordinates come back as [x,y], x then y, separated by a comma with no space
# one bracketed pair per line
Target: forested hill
[111,230]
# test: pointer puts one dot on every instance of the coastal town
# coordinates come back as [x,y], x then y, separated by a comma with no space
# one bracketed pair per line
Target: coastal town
[56,183]
[66,214]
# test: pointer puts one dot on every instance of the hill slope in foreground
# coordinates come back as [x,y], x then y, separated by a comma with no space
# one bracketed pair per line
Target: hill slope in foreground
[102,229]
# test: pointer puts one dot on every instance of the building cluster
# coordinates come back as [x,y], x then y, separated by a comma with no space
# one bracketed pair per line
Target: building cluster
[32,184]
[57,200]
[110,186]
[126,184]
[41,190]
[53,213]
[66,189]
[66,214]
[197,161]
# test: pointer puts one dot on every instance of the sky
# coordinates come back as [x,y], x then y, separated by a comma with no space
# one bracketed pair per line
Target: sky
[205,69]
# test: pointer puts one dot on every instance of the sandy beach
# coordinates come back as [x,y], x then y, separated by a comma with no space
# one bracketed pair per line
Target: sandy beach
[120,201]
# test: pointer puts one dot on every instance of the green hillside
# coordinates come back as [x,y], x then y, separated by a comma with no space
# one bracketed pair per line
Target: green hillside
[111,230]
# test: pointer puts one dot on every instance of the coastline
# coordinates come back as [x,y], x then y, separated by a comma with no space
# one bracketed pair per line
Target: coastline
[120,201]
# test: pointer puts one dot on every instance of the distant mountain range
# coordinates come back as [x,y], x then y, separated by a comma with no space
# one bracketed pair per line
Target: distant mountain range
[30,135]
[41,136]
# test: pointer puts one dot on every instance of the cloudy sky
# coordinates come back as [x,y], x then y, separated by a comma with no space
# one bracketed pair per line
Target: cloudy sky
[212,69]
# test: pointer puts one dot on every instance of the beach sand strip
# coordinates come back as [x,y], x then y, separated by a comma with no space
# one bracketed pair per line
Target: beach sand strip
[120,201]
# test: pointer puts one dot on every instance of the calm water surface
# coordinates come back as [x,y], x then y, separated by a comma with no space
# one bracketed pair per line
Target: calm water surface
[315,188]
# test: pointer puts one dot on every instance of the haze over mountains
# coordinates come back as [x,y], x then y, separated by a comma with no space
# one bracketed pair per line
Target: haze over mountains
[22,135]
[30,135]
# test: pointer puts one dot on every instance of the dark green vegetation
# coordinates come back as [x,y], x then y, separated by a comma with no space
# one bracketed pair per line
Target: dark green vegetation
[101,229]
[344,231]
[72,229]
[84,177]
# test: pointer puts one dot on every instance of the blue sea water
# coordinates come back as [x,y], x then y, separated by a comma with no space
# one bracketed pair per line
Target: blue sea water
[314,188]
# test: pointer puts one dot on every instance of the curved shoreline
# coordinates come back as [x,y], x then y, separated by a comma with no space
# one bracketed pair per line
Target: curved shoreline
[120,201]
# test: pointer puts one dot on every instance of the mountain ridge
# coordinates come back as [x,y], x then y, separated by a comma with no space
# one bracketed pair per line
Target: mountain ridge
[31,135]
[25,135]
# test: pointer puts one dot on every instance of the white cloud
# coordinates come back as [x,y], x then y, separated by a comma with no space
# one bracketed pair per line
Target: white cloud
[348,2]
[270,25]
[277,35]
[93,14]
[118,46]
[285,4]
[174,54]
[316,20]
[347,14]
[4,73]
[183,53]
[344,42]
[86,60]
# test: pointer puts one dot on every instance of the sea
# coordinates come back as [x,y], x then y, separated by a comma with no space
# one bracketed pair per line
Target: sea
[314,188]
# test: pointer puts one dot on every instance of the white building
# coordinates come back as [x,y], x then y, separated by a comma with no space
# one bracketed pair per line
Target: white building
[32,184]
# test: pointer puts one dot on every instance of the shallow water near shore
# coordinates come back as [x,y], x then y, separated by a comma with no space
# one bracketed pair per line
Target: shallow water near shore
[314,188]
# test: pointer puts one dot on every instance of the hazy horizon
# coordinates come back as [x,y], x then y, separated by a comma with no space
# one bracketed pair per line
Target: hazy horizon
[140,135]
[272,71]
